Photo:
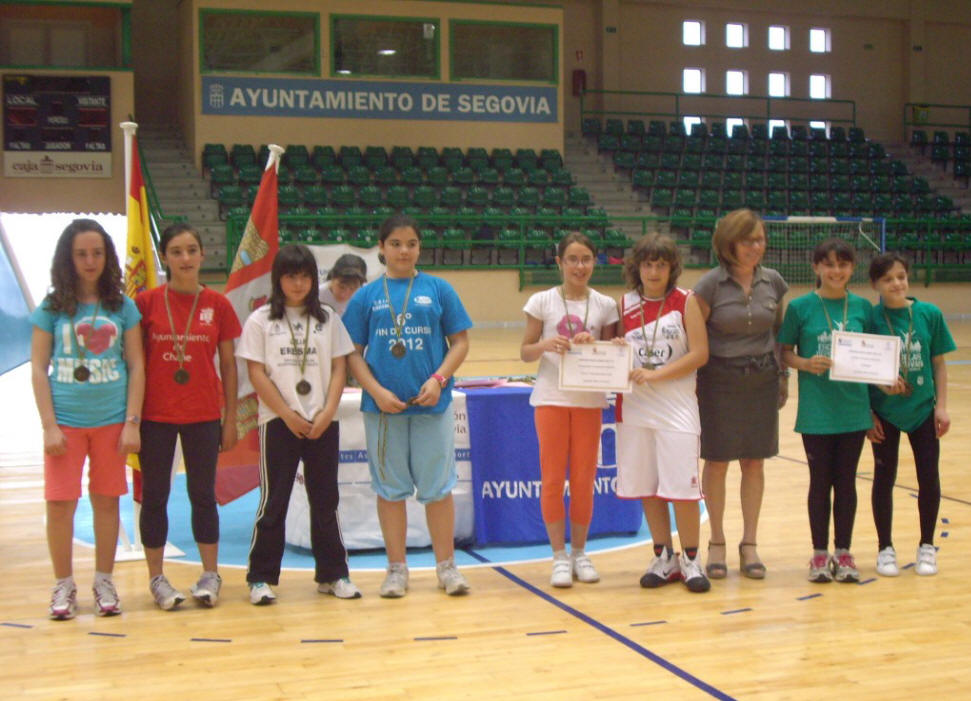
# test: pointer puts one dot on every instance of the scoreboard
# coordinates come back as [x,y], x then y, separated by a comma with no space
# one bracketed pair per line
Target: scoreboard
[56,126]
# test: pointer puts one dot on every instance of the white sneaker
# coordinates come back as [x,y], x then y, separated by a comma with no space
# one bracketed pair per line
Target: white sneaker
[692,574]
[843,567]
[106,602]
[342,588]
[395,584]
[583,569]
[64,601]
[887,562]
[663,569]
[926,560]
[166,596]
[450,579]
[260,594]
[206,590]
[562,573]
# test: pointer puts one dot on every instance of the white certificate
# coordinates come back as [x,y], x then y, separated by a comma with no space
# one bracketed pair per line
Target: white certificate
[600,366]
[865,357]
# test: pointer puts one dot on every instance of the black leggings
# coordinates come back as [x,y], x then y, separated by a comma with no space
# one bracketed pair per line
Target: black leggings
[200,448]
[927,451]
[832,468]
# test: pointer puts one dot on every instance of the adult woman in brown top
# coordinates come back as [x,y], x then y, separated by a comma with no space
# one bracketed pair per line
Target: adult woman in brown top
[742,387]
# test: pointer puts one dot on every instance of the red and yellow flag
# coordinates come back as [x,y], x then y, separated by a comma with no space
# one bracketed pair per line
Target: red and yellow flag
[140,271]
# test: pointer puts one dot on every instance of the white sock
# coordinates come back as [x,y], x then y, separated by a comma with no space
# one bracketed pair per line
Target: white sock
[102,577]
[560,554]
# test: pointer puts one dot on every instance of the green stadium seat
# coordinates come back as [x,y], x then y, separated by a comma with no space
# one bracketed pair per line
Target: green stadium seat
[242,155]
[451,197]
[856,135]
[590,126]
[398,197]
[437,176]
[369,197]
[359,176]
[527,159]
[402,157]
[488,176]
[219,177]
[315,196]
[662,197]
[778,202]
[425,197]
[375,157]
[614,126]
[798,203]
[653,143]
[504,198]
[305,175]
[732,199]
[385,176]
[502,159]
[759,180]
[819,181]
[514,177]
[711,178]
[528,197]
[230,196]
[296,155]
[732,180]
[350,157]
[837,133]
[288,197]
[463,176]
[343,196]
[666,178]
[322,157]
[477,196]
[540,178]
[214,158]
[688,178]
[799,181]
[426,157]
[636,127]
[250,192]
[333,175]
[642,179]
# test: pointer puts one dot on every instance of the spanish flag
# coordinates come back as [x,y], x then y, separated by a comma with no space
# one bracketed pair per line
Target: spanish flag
[140,270]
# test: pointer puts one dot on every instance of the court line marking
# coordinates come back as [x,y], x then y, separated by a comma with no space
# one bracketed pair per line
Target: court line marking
[611,633]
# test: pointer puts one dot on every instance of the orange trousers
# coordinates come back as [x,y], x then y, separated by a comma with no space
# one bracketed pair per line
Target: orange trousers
[568,436]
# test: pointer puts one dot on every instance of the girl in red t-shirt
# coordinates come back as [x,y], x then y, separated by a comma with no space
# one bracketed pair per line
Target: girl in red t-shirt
[185,325]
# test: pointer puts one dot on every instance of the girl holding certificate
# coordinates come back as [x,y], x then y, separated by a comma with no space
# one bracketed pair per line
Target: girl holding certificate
[410,332]
[919,409]
[833,417]
[185,325]
[88,376]
[567,421]
[658,426]
[296,355]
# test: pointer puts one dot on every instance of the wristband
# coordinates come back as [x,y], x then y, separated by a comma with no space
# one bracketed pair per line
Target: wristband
[133,419]
[440,379]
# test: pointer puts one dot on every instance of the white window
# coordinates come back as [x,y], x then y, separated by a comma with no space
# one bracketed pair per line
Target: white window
[689,122]
[693,80]
[818,125]
[693,32]
[778,38]
[819,87]
[736,82]
[736,35]
[731,122]
[819,41]
[778,84]
[773,123]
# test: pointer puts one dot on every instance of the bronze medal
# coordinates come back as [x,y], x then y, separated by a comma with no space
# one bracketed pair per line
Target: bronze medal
[82,373]
[181,376]
[398,349]
[303,387]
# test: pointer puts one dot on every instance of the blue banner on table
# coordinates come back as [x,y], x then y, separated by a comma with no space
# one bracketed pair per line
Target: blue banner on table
[350,99]
[506,476]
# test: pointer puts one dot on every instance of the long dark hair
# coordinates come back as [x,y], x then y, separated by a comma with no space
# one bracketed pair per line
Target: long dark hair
[170,233]
[398,220]
[63,296]
[840,247]
[295,258]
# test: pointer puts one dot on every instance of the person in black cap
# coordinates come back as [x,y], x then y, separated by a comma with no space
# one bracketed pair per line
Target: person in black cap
[343,280]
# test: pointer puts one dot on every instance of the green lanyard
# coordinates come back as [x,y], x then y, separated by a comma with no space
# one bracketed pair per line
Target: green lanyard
[398,350]
[181,375]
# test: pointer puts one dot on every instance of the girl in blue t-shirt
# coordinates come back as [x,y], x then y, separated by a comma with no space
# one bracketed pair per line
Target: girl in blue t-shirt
[410,332]
[833,417]
[916,405]
[88,376]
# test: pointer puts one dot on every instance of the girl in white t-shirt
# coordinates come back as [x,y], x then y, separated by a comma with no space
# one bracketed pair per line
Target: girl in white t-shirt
[567,422]
[296,352]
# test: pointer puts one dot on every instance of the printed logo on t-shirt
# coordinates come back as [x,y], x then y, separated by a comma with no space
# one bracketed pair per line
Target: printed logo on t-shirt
[97,340]
[423,299]
[206,315]
[570,325]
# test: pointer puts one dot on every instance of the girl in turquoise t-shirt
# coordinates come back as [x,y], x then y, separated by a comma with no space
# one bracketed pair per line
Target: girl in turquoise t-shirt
[832,417]
[918,408]
[88,375]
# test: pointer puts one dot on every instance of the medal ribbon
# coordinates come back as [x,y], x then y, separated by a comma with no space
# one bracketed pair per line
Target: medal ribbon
[396,322]
[657,322]
[294,344]
[846,307]
[74,332]
[177,345]
[566,311]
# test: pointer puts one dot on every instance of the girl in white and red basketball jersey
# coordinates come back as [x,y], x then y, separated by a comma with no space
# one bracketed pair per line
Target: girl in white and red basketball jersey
[88,375]
[658,428]
[185,325]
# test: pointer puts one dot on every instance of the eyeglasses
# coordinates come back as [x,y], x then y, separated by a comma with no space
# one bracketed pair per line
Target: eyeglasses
[752,242]
[573,261]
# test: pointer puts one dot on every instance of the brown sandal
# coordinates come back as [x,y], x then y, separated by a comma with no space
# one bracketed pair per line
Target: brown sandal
[716,570]
[752,570]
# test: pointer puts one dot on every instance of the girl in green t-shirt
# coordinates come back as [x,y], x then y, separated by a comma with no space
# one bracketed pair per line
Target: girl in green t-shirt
[917,405]
[832,417]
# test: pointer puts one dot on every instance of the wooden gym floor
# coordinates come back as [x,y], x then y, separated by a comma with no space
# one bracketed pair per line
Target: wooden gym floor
[514,636]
